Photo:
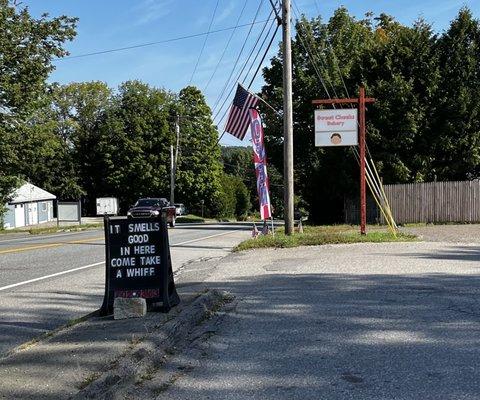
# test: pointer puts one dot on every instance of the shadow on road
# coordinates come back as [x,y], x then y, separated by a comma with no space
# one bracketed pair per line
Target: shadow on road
[454,253]
[331,336]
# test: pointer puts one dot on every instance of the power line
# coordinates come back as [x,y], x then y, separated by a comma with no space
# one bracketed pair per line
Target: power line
[255,74]
[278,19]
[226,46]
[237,79]
[239,55]
[219,110]
[263,58]
[176,39]
[204,42]
[314,65]
[251,66]
[311,52]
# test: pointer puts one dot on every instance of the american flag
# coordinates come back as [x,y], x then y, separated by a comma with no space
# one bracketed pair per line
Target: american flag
[239,117]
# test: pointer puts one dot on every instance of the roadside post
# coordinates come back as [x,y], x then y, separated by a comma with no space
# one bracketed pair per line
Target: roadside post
[138,262]
[345,127]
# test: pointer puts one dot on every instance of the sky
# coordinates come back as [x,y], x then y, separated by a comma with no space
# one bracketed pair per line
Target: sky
[112,24]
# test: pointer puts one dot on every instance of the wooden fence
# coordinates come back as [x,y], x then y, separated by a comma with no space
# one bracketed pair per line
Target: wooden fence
[435,201]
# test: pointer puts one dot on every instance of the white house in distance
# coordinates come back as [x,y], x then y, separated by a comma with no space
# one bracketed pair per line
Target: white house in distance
[30,205]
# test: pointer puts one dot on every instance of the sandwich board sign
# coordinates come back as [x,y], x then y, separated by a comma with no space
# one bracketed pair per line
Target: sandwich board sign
[336,127]
[138,262]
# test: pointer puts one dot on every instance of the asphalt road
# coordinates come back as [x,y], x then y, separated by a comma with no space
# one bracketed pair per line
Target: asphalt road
[47,280]
[389,321]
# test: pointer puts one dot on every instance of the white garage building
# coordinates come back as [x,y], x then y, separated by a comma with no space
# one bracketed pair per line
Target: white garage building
[30,205]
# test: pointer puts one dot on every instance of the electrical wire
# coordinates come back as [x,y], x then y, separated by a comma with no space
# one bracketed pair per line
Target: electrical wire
[204,42]
[226,47]
[253,78]
[238,57]
[263,58]
[311,52]
[266,50]
[176,39]
[219,110]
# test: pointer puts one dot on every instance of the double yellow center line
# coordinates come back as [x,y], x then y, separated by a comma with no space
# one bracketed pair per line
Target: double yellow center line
[47,245]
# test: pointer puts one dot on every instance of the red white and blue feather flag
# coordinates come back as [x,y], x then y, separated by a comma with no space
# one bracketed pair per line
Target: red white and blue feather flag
[260,161]
[239,118]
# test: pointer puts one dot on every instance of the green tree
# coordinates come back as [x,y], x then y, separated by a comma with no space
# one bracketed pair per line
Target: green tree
[242,199]
[402,72]
[28,46]
[199,165]
[399,67]
[131,155]
[322,178]
[77,109]
[233,199]
[226,197]
[46,158]
[456,134]
[238,161]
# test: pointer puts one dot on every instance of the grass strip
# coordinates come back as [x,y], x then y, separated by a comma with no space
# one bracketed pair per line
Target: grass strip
[53,229]
[56,229]
[190,218]
[321,235]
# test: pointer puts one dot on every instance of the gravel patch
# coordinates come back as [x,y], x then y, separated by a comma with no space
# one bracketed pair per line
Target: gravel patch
[446,233]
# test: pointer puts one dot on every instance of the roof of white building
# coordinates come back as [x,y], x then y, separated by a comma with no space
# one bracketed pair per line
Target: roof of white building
[28,192]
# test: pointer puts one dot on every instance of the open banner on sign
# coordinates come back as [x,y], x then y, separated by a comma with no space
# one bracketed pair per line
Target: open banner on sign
[260,160]
[336,127]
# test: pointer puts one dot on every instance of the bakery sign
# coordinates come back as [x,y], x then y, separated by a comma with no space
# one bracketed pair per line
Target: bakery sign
[336,127]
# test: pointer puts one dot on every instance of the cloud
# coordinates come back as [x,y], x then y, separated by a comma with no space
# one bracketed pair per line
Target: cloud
[152,10]
[226,12]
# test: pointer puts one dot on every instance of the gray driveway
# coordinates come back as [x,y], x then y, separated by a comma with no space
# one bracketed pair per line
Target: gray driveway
[372,321]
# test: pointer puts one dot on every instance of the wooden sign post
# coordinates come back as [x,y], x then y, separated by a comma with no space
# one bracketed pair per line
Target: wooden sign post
[361,101]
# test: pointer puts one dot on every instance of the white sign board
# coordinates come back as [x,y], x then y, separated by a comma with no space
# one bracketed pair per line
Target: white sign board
[68,211]
[336,127]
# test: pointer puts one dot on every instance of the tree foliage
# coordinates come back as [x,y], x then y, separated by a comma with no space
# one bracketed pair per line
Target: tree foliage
[199,167]
[88,140]
[424,124]
[234,197]
[27,48]
[238,161]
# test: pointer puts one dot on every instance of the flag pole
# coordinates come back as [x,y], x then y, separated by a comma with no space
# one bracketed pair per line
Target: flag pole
[262,100]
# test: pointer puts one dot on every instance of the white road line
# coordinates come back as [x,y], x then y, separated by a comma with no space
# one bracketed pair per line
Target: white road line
[202,238]
[34,238]
[50,276]
[99,263]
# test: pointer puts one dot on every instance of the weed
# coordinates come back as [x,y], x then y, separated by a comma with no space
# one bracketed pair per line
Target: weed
[89,379]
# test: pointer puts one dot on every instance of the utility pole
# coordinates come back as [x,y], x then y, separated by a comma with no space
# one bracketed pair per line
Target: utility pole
[172,176]
[174,160]
[287,119]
